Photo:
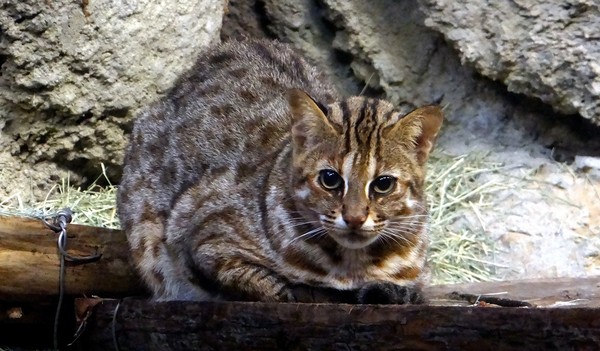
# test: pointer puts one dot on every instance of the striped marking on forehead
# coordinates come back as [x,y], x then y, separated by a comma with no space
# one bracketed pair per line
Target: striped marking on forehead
[360,124]
[363,121]
[385,122]
[347,124]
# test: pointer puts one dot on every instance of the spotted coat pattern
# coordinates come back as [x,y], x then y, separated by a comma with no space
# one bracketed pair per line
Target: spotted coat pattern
[222,195]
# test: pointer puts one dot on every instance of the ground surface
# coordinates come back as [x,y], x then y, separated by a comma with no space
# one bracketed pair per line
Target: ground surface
[543,215]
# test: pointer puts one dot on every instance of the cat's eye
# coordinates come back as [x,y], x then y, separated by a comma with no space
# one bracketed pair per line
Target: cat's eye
[330,179]
[383,185]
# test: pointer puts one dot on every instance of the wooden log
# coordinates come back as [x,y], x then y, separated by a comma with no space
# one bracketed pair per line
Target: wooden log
[144,325]
[29,262]
[29,268]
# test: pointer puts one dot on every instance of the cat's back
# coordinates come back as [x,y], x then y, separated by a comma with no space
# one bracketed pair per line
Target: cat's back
[233,102]
[229,112]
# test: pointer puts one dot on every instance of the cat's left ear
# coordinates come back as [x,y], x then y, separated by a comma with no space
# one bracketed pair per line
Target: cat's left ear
[420,128]
[308,118]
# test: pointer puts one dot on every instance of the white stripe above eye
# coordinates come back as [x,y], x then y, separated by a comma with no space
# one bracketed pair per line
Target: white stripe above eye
[347,169]
[371,167]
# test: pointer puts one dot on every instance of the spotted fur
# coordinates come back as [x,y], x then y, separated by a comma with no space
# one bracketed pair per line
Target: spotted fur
[222,195]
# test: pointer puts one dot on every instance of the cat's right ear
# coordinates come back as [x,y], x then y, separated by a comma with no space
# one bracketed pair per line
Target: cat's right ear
[308,118]
[419,129]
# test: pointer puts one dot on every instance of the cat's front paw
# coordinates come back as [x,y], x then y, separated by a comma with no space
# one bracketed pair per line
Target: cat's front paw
[381,292]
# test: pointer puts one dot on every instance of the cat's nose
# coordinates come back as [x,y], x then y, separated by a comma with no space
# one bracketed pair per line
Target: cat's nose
[354,221]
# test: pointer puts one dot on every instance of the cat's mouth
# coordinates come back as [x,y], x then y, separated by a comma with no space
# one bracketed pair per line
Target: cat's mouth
[353,239]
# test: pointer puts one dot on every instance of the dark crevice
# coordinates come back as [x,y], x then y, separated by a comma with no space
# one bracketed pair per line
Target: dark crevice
[89,171]
[116,112]
[79,68]
[127,126]
[246,19]
[565,135]
[3,59]
[320,10]
[343,57]
[26,17]
[7,125]
[41,138]
[84,118]
[23,149]
[339,61]
[260,10]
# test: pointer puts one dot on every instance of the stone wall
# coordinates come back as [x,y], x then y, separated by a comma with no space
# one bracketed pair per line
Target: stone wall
[544,49]
[514,78]
[74,74]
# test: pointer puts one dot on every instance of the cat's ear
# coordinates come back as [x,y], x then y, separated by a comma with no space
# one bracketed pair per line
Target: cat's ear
[309,120]
[420,129]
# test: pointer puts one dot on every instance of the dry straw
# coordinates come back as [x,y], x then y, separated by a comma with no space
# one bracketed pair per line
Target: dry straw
[457,188]
[454,188]
[94,206]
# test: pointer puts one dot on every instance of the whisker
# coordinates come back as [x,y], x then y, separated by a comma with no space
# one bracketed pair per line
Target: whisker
[410,228]
[299,224]
[407,221]
[396,231]
[400,235]
[299,219]
[311,233]
[386,236]
[413,216]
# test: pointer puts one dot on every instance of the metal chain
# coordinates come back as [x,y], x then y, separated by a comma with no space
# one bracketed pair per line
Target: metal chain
[59,226]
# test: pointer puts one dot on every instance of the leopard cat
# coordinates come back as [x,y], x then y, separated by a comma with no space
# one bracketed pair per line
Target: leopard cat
[253,180]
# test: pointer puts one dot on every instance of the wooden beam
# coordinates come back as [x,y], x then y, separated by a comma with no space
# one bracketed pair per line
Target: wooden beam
[552,292]
[29,262]
[145,325]
[29,269]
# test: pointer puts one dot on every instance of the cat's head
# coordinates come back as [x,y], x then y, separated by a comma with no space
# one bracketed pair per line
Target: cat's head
[359,166]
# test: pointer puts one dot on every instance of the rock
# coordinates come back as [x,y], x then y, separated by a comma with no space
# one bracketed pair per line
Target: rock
[543,49]
[74,73]
[383,49]
[305,24]
[243,19]
[584,163]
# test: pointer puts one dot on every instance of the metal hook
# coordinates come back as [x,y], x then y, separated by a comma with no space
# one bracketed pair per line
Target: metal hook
[61,219]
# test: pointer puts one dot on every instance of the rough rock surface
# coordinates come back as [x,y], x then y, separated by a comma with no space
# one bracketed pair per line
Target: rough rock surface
[544,49]
[73,74]
[244,19]
[383,48]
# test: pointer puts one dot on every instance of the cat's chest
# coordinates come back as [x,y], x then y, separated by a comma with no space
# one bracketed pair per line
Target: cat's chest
[302,260]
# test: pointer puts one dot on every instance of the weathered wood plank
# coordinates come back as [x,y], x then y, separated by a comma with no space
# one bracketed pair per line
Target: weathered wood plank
[29,265]
[583,292]
[144,325]
[29,261]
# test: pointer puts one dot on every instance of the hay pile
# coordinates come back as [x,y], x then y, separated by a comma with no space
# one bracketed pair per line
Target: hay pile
[94,206]
[459,248]
[454,188]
